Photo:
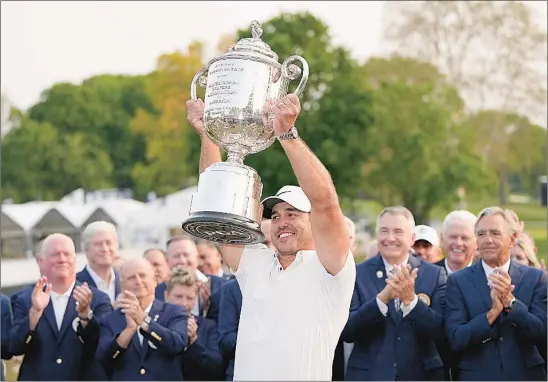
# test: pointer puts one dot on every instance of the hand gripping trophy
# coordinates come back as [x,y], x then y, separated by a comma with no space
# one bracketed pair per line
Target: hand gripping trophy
[239,83]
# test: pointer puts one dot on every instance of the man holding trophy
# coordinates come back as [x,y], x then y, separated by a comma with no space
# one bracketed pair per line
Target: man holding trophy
[296,299]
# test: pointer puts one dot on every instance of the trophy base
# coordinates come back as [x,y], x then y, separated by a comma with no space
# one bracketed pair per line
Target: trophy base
[223,228]
[225,209]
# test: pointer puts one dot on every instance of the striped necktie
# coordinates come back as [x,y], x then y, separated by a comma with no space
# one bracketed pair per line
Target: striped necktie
[396,299]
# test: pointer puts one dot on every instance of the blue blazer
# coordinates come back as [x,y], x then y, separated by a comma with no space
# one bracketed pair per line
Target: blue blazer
[506,350]
[7,322]
[229,320]
[160,361]
[52,354]
[84,277]
[203,361]
[390,347]
[216,283]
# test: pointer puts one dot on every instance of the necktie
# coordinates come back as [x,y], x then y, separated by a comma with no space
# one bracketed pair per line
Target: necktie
[396,300]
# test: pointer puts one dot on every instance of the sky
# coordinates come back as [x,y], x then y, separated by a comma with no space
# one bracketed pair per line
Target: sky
[46,42]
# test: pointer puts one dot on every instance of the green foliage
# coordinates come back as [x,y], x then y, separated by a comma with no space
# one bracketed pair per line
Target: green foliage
[393,130]
[38,162]
[101,109]
[511,146]
[420,154]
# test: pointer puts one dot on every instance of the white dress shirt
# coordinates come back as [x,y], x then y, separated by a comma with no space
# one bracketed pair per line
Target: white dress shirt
[59,303]
[488,270]
[110,288]
[292,319]
[196,308]
[405,309]
[147,311]
[449,270]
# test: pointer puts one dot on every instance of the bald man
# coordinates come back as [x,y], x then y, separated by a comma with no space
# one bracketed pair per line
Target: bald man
[144,338]
[56,322]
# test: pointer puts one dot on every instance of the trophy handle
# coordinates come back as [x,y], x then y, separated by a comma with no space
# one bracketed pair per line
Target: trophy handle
[199,78]
[293,72]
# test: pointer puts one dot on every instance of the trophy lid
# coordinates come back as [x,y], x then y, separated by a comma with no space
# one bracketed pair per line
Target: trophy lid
[254,44]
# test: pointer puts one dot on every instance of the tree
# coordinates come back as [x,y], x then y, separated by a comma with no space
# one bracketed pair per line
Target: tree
[419,155]
[39,162]
[528,151]
[5,116]
[100,109]
[492,51]
[169,164]
[509,144]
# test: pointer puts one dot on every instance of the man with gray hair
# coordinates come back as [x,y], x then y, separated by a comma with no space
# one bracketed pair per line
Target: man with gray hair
[458,240]
[55,323]
[100,244]
[397,308]
[496,308]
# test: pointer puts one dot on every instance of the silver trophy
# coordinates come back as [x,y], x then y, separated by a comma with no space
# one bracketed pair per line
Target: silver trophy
[225,209]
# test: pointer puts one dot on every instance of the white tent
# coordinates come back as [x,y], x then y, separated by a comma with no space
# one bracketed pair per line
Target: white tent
[158,220]
[39,218]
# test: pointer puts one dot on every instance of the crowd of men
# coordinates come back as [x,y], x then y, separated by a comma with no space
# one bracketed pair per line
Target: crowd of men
[296,307]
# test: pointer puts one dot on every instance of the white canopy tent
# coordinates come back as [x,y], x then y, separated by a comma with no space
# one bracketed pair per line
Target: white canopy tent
[28,223]
[158,220]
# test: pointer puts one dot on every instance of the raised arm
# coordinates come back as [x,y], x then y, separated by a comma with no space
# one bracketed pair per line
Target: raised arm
[331,237]
[211,153]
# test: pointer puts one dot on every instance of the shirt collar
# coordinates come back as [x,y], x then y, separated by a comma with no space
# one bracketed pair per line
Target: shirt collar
[67,293]
[389,266]
[488,270]
[449,270]
[201,277]
[98,279]
[149,307]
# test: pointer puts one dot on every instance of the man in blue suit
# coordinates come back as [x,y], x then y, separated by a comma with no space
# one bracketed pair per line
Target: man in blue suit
[7,322]
[181,251]
[394,323]
[229,319]
[144,338]
[496,308]
[56,323]
[100,244]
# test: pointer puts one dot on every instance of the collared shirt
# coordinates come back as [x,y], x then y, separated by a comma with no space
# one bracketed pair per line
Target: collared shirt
[147,311]
[59,303]
[405,309]
[488,270]
[449,270]
[203,278]
[292,319]
[110,288]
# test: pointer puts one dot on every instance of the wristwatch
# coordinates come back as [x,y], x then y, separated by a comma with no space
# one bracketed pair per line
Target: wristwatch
[146,322]
[88,317]
[510,305]
[291,134]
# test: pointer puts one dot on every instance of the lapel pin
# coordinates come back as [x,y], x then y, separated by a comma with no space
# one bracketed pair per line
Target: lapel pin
[379,274]
[156,317]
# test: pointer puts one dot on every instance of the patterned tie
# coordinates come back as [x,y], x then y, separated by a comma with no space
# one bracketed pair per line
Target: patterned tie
[396,300]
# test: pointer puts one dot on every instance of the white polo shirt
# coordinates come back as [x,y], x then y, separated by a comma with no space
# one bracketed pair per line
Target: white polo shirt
[291,319]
